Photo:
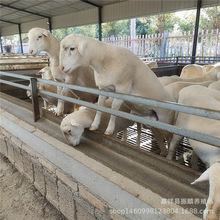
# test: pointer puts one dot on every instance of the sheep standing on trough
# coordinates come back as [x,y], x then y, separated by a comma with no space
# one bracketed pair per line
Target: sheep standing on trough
[209,154]
[116,69]
[42,40]
[73,125]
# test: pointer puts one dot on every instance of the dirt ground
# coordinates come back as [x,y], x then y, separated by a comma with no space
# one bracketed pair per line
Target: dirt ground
[19,199]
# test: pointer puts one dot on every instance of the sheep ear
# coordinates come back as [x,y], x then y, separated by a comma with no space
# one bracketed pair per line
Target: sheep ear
[39,73]
[202,178]
[46,33]
[26,38]
[74,124]
[82,48]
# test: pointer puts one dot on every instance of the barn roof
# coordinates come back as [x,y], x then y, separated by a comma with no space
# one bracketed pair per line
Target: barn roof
[70,13]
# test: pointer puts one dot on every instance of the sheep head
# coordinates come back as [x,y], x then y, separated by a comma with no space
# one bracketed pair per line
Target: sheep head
[212,174]
[72,131]
[38,40]
[73,52]
[45,73]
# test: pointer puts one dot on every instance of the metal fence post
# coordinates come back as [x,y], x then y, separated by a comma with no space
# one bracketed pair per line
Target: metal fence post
[35,103]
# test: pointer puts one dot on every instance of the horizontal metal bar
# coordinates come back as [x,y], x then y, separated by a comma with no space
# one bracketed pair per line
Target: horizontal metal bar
[24,63]
[134,99]
[143,120]
[15,84]
[15,75]
[141,100]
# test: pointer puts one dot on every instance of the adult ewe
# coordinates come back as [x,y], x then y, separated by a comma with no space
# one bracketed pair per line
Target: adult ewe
[42,40]
[119,70]
[209,154]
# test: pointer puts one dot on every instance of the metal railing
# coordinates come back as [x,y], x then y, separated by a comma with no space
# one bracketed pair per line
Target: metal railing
[212,114]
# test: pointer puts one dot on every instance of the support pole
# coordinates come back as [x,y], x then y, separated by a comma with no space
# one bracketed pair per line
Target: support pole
[50,24]
[1,43]
[35,102]
[99,15]
[19,30]
[100,23]
[199,4]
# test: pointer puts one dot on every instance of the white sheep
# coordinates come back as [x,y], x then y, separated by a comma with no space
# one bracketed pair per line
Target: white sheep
[215,85]
[46,74]
[152,64]
[175,87]
[212,210]
[74,124]
[209,154]
[193,71]
[42,40]
[210,66]
[119,70]
[198,90]
[212,75]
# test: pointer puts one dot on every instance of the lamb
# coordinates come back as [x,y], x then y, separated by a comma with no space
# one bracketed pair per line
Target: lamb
[46,74]
[119,70]
[41,40]
[213,75]
[73,125]
[193,71]
[175,87]
[209,154]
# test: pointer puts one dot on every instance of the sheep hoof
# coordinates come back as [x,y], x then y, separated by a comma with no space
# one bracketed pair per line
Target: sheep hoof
[108,133]
[92,128]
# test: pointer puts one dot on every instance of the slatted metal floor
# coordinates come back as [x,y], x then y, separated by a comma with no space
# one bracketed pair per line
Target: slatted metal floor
[149,143]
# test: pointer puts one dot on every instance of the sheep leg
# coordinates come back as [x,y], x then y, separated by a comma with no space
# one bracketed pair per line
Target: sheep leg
[124,136]
[138,141]
[160,140]
[96,122]
[60,106]
[46,104]
[173,145]
[116,104]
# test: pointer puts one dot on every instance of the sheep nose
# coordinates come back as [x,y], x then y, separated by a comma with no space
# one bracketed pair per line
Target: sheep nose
[69,131]
[62,68]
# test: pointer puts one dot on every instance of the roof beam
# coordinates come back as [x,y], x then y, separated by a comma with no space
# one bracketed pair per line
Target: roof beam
[23,10]
[99,14]
[9,22]
[91,3]
[30,12]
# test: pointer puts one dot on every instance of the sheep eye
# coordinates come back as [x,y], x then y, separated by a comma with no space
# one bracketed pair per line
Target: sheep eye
[72,48]
[39,37]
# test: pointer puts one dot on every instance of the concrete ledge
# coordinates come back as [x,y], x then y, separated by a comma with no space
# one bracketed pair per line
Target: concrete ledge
[77,185]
